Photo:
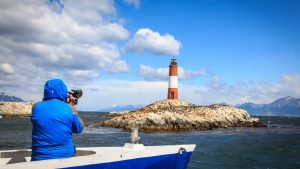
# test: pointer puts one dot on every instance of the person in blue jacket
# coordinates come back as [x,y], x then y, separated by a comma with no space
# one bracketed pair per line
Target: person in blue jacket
[53,122]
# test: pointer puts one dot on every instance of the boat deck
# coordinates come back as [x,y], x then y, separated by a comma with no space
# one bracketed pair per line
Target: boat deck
[90,155]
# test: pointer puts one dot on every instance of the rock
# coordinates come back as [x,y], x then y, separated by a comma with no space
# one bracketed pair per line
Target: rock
[15,109]
[174,115]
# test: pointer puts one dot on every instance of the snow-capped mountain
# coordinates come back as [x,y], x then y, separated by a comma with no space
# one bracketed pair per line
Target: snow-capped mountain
[283,106]
[6,98]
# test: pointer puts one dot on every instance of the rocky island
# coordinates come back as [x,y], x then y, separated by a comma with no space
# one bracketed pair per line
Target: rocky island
[176,115]
[15,109]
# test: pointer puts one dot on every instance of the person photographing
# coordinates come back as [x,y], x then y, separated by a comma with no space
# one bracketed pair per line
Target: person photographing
[54,120]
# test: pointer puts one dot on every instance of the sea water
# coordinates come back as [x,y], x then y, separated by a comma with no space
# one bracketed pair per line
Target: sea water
[277,146]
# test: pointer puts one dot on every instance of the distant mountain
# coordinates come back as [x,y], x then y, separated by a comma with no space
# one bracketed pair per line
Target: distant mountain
[289,106]
[118,108]
[6,98]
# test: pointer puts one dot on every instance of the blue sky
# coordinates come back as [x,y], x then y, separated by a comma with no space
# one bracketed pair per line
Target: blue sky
[118,51]
[237,40]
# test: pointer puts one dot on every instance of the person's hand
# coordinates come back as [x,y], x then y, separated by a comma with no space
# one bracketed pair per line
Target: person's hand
[71,104]
[71,100]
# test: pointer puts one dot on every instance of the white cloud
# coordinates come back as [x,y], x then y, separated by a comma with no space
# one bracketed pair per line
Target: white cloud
[288,83]
[135,3]
[84,73]
[6,68]
[190,74]
[152,74]
[117,66]
[217,91]
[104,93]
[147,41]
[72,40]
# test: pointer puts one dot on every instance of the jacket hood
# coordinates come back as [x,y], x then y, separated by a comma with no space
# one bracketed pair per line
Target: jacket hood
[55,89]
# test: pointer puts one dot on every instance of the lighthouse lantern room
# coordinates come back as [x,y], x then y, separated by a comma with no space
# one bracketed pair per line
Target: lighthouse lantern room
[173,80]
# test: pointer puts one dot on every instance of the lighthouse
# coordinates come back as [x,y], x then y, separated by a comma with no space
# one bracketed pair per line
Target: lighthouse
[173,80]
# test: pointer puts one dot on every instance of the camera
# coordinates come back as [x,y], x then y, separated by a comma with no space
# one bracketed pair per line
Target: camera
[76,94]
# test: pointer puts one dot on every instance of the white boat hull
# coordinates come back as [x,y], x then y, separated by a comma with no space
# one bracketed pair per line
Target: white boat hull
[129,156]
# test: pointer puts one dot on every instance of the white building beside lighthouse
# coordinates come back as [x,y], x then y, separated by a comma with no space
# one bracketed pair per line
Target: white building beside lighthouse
[173,80]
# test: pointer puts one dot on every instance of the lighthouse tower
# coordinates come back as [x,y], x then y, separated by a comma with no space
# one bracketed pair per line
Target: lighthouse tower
[173,80]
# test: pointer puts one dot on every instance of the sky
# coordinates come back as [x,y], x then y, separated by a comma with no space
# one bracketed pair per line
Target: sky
[118,52]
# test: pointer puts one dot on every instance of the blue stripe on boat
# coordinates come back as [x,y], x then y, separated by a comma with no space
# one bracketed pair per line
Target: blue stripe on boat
[169,161]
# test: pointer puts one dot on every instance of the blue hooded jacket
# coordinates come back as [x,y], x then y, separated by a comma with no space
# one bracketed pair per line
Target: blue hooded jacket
[53,124]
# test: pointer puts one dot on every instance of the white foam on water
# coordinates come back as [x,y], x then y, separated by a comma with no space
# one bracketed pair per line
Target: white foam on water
[102,130]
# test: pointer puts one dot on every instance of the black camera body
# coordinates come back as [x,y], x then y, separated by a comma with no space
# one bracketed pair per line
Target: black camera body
[76,94]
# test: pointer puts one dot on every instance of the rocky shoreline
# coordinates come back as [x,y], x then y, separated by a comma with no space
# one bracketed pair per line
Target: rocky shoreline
[15,109]
[176,115]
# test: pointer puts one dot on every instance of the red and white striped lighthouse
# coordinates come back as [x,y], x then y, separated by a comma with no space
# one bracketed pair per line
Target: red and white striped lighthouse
[173,80]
